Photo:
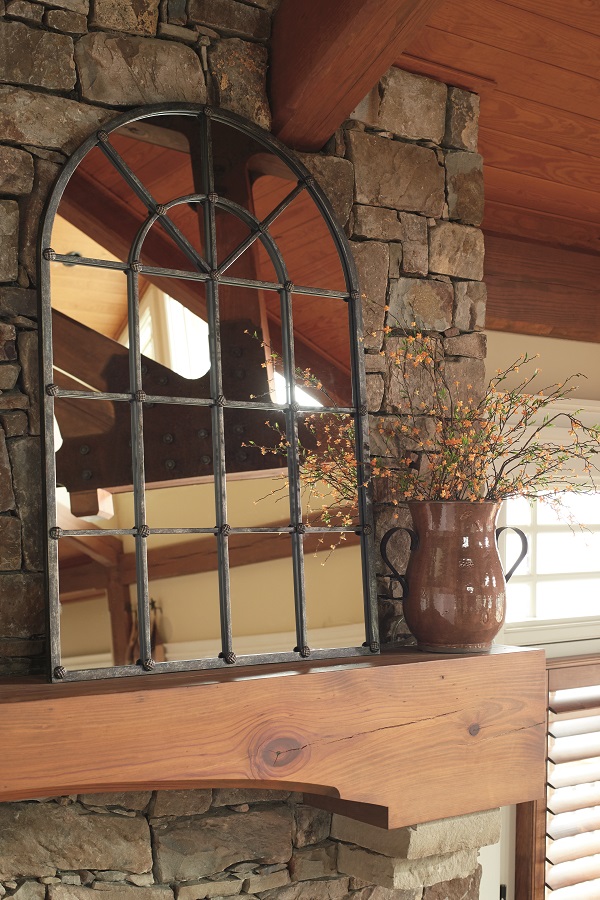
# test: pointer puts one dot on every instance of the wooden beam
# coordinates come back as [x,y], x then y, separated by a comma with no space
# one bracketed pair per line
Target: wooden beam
[530,850]
[92,503]
[469,81]
[463,733]
[537,289]
[106,550]
[325,57]
[83,576]
[84,353]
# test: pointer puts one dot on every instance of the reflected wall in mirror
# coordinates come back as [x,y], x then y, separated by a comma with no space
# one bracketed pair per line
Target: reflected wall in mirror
[201,301]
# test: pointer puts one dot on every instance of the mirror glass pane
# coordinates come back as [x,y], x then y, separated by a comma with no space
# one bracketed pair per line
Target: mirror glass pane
[179,466]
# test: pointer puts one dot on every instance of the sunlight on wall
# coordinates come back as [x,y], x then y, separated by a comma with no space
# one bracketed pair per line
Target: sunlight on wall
[558,359]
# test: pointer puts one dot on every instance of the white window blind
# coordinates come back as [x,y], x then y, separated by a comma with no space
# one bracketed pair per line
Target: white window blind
[573,795]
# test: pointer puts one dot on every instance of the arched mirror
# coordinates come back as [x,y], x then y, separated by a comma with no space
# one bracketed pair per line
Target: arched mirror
[205,423]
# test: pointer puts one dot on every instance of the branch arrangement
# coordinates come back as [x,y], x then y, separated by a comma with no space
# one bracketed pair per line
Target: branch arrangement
[442,443]
[501,446]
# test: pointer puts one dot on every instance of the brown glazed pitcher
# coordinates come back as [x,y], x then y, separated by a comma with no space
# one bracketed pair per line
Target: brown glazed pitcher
[454,590]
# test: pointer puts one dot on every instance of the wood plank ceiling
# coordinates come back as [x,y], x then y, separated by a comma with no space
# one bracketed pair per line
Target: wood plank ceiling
[536,65]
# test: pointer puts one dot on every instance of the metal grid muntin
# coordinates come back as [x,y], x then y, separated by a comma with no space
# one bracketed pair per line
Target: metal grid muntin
[209,274]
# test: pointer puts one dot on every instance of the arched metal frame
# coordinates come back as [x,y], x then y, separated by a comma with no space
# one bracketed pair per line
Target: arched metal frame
[212,274]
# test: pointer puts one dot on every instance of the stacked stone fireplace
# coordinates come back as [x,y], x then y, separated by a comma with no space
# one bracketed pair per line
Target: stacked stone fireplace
[190,845]
[406,182]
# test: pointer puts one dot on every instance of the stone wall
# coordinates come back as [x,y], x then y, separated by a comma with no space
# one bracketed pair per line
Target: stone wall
[418,202]
[189,845]
[405,180]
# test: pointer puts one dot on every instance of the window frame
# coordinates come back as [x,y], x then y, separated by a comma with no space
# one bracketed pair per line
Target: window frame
[569,634]
[207,271]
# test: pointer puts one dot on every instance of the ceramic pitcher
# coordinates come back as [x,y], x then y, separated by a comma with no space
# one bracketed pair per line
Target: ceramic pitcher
[454,590]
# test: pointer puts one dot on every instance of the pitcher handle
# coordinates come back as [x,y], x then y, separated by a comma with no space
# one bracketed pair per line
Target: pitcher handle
[414,543]
[524,547]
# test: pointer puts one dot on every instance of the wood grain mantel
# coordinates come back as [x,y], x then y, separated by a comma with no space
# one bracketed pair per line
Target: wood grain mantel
[395,740]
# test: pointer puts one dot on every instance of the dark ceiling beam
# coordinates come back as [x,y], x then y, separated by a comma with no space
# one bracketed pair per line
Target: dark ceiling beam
[538,289]
[327,56]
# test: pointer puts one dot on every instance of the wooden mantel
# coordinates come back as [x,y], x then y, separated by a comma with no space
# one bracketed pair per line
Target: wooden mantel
[394,740]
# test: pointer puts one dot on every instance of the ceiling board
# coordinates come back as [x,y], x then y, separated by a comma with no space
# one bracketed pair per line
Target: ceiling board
[583,14]
[527,157]
[538,65]
[513,74]
[531,35]
[539,195]
[507,219]
[538,122]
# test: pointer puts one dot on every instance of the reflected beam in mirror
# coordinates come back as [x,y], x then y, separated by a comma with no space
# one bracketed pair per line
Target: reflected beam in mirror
[93,503]
[106,550]
[192,557]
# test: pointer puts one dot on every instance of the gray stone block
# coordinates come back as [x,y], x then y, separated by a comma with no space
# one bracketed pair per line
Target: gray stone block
[473,345]
[9,239]
[16,171]
[372,260]
[427,303]
[32,57]
[66,21]
[236,796]
[41,120]
[189,848]
[470,298]
[377,223]
[464,186]
[38,838]
[405,874]
[412,106]
[122,70]
[397,175]
[313,862]
[311,825]
[238,70]
[456,250]
[334,889]
[426,839]
[140,17]
[462,116]
[136,800]
[336,177]
[26,462]
[181,803]
[231,17]
[109,892]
